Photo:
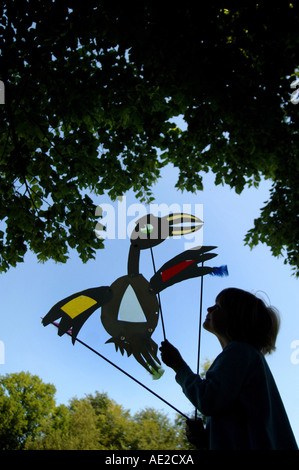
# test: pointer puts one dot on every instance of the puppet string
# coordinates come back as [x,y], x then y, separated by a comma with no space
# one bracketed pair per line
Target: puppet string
[199,331]
[159,300]
[128,375]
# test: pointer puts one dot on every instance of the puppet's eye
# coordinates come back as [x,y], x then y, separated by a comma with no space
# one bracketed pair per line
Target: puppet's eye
[148,228]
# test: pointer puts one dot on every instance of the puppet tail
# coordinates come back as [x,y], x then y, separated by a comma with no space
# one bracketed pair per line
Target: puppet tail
[220,271]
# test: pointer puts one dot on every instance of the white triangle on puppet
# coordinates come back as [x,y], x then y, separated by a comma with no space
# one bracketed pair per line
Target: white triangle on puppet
[130,309]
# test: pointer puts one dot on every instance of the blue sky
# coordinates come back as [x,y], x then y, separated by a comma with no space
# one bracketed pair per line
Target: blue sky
[31,289]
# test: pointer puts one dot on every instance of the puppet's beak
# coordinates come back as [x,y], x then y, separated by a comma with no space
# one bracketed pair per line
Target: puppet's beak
[177,224]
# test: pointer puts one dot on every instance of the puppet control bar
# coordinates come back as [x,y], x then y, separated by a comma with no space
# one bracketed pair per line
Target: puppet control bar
[126,373]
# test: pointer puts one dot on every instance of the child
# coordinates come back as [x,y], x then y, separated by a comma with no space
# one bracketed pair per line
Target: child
[239,395]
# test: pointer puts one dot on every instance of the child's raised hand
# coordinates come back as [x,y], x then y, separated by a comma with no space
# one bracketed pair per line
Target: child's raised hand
[171,356]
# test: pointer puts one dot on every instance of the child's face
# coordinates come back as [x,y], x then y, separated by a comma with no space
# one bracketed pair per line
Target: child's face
[215,321]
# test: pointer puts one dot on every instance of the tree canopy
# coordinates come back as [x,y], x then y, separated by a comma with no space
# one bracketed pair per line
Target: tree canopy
[91,89]
[30,419]
[25,405]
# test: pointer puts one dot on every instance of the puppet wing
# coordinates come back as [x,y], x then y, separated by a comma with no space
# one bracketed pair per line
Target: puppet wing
[76,309]
[184,266]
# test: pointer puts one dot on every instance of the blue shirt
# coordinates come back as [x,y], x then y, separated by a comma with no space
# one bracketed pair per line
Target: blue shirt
[241,400]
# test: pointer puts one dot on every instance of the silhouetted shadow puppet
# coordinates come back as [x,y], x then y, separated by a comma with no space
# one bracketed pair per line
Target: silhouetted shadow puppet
[130,308]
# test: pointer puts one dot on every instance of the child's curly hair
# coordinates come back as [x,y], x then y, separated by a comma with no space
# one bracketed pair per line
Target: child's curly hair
[248,319]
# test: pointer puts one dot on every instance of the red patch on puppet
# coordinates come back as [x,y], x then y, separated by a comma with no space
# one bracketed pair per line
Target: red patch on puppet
[170,272]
